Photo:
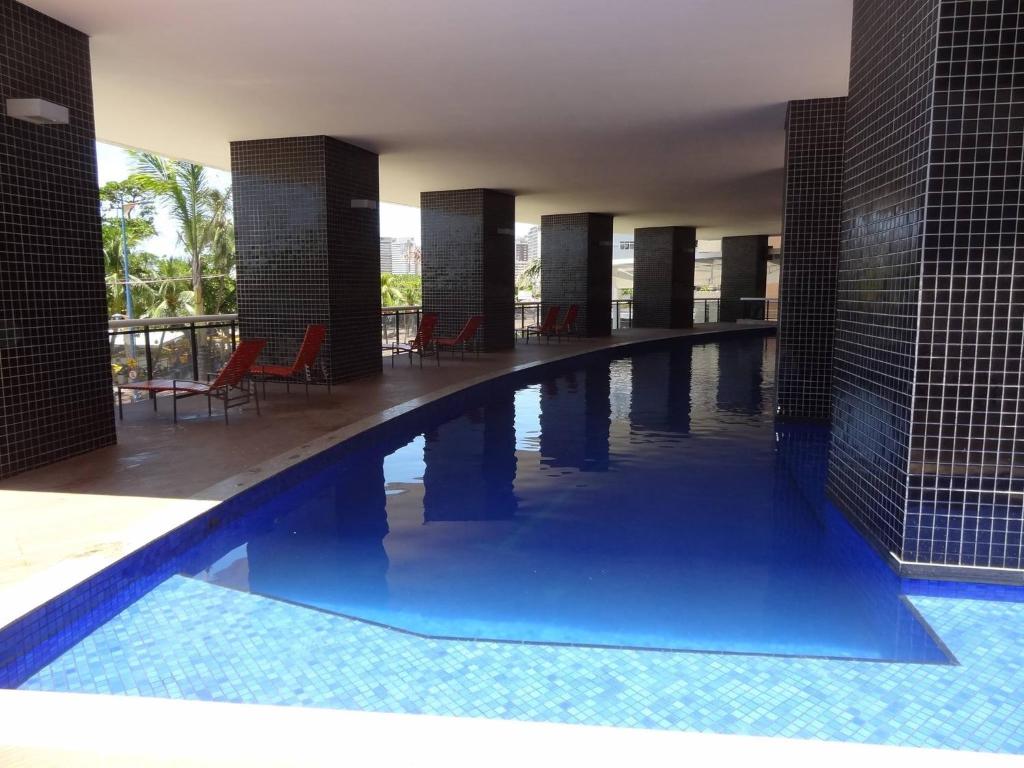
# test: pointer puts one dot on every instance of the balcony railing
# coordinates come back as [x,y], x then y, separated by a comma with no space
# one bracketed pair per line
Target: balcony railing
[192,347]
[757,308]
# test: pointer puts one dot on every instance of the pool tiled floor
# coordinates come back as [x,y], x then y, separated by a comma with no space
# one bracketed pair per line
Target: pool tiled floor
[188,639]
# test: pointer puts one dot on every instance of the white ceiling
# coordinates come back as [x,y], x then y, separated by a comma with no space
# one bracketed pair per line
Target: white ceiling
[659,111]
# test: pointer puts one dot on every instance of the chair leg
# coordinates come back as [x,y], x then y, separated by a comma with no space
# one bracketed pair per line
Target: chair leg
[153,395]
[120,405]
[225,405]
[209,406]
[174,398]
[256,397]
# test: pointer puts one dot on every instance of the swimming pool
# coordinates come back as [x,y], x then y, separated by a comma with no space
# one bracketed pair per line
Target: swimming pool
[646,501]
[611,540]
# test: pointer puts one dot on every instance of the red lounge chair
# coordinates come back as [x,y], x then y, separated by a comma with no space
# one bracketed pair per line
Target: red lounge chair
[231,376]
[465,336]
[300,371]
[421,344]
[548,328]
[568,326]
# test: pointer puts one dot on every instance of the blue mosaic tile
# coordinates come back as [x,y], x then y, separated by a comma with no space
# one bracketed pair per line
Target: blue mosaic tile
[191,640]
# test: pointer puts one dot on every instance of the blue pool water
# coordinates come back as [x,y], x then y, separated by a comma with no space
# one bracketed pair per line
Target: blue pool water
[647,501]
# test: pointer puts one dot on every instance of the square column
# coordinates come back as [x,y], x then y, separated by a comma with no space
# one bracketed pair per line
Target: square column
[468,244]
[56,397]
[744,273]
[810,240]
[928,390]
[576,268]
[307,230]
[663,265]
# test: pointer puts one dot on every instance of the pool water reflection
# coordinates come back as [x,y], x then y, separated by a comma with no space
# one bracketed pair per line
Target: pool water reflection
[646,501]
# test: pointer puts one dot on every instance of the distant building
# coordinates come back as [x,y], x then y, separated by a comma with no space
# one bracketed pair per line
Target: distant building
[399,255]
[533,244]
[522,255]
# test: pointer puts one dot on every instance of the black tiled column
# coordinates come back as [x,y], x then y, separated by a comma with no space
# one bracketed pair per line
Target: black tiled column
[308,239]
[744,273]
[810,241]
[55,383]
[468,244]
[663,277]
[576,268]
[928,437]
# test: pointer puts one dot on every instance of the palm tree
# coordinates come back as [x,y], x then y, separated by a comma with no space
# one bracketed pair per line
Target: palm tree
[173,298]
[391,290]
[220,295]
[185,188]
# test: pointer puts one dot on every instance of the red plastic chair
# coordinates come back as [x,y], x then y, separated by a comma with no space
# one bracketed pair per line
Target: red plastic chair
[465,336]
[231,376]
[548,328]
[301,370]
[568,326]
[421,344]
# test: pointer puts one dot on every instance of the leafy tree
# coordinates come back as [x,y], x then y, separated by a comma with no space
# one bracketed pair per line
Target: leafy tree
[529,279]
[390,293]
[199,209]
[132,199]
[219,266]
[174,296]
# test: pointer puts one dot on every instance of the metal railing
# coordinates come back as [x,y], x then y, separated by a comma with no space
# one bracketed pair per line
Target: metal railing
[759,308]
[170,347]
[706,310]
[192,347]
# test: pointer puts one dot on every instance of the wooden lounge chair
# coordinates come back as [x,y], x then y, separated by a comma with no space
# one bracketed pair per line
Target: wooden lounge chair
[421,344]
[231,377]
[465,336]
[568,326]
[301,370]
[548,328]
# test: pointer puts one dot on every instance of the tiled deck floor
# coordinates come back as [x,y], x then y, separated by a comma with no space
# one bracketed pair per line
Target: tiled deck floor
[192,640]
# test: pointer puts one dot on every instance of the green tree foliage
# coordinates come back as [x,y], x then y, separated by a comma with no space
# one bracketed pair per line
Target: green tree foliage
[400,290]
[529,280]
[203,216]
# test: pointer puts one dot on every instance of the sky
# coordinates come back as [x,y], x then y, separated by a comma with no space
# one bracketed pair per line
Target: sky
[115,165]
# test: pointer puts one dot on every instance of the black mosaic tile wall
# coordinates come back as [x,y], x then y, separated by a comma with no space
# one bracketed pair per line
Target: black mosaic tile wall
[812,210]
[308,238]
[576,254]
[55,382]
[663,265]
[744,273]
[928,434]
[468,245]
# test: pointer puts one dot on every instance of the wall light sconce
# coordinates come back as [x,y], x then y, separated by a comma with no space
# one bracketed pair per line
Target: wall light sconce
[38,111]
[367,204]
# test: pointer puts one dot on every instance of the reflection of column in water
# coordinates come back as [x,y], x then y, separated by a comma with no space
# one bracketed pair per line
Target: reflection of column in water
[471,465]
[575,420]
[741,375]
[661,399]
[328,550]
